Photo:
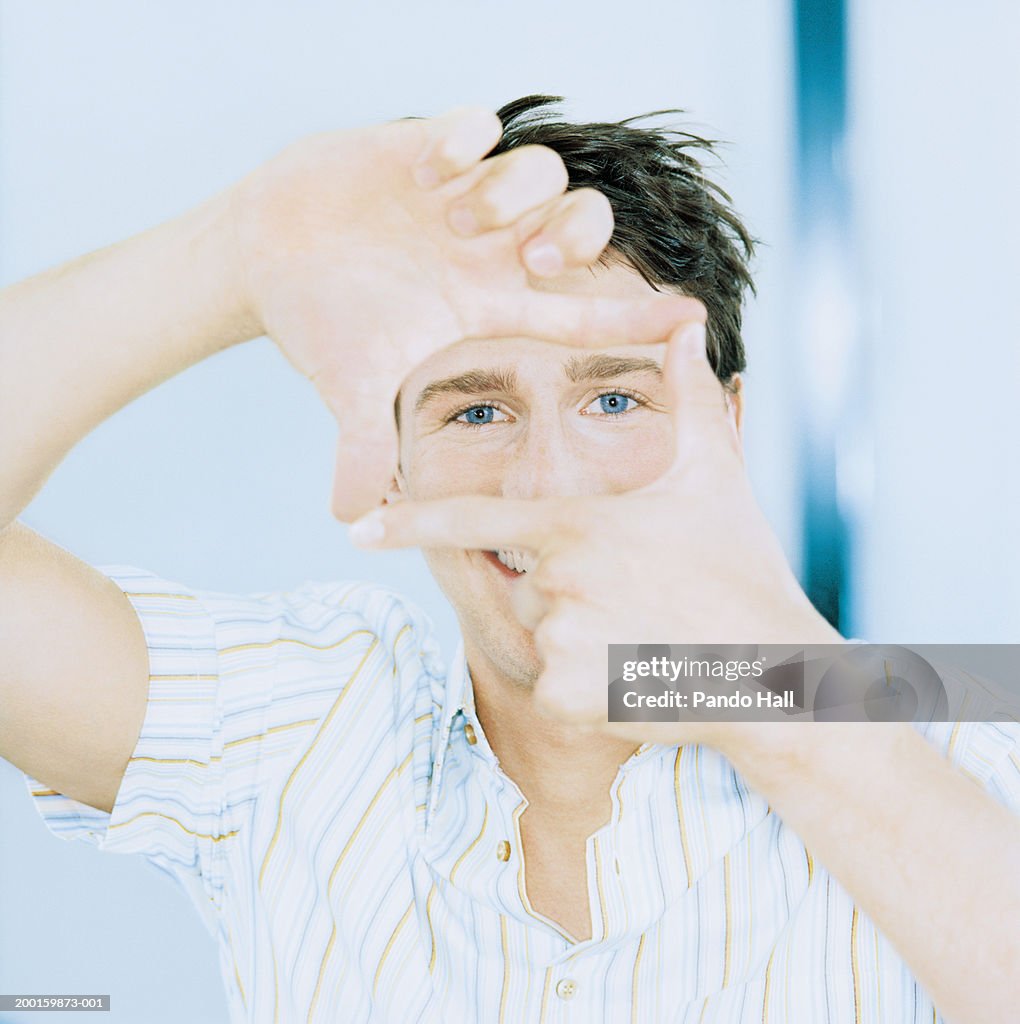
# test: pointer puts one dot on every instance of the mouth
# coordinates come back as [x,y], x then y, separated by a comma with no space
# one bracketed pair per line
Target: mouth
[510,563]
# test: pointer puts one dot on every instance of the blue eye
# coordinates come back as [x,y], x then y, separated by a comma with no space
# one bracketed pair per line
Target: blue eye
[477,415]
[613,403]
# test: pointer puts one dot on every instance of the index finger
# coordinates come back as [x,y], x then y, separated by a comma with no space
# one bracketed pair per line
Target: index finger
[589,321]
[456,142]
[477,522]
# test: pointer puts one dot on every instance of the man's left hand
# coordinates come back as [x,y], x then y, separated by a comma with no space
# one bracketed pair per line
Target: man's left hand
[689,558]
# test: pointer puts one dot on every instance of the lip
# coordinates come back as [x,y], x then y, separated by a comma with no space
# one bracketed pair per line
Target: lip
[490,557]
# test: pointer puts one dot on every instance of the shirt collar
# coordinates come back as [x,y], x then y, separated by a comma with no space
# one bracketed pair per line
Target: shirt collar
[459,699]
[459,694]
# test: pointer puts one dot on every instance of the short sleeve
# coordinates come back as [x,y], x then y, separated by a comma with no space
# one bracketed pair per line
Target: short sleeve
[236,684]
[165,813]
[1004,784]
[989,752]
[982,735]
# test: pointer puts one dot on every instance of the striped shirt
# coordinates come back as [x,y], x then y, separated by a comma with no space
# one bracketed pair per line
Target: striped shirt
[323,789]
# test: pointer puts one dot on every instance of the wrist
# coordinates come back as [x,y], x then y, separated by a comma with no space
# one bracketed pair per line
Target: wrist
[278,215]
[218,243]
[775,755]
[194,267]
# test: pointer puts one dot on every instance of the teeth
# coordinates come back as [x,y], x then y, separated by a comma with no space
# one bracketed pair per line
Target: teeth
[516,560]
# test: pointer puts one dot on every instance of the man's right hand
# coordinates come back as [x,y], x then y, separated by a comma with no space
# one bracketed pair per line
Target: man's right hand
[358,271]
[366,251]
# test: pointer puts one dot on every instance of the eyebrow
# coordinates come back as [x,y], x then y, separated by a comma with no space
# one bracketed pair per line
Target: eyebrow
[578,370]
[471,383]
[601,367]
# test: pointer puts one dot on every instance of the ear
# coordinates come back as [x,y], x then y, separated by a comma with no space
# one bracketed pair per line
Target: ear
[397,489]
[735,406]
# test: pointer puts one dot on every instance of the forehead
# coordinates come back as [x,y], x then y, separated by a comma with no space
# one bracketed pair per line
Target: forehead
[516,361]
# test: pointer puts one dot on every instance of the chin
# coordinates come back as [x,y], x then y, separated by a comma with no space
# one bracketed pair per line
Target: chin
[516,662]
[492,634]
[499,641]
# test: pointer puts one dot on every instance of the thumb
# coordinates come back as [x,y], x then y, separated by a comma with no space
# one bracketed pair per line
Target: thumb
[697,399]
[366,454]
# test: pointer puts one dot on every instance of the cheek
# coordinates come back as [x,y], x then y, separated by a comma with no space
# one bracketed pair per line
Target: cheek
[442,470]
[636,458]
[443,564]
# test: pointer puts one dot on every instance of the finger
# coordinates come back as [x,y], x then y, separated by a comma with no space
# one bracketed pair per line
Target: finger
[513,184]
[529,604]
[456,142]
[574,235]
[588,321]
[366,448]
[570,664]
[696,396]
[475,522]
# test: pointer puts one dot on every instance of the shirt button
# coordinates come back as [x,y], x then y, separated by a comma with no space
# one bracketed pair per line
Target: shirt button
[566,988]
[469,732]
[503,850]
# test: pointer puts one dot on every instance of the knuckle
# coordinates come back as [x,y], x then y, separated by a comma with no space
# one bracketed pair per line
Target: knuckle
[543,164]
[593,202]
[556,575]
[471,111]
[553,635]
[450,152]
[531,175]
[465,135]
[528,606]
[485,121]
[490,203]
[544,577]
[586,224]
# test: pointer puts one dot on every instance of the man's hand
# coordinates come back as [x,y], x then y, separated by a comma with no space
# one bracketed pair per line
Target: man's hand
[367,251]
[690,558]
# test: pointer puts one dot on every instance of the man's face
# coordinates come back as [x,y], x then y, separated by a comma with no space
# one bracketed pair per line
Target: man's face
[521,418]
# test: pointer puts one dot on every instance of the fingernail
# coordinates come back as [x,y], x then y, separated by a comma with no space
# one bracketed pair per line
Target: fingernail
[692,341]
[543,258]
[425,175]
[463,221]
[368,530]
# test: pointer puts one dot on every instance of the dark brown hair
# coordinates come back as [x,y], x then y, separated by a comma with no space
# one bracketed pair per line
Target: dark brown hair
[673,225]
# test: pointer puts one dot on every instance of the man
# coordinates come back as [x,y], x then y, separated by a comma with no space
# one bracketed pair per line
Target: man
[374,837]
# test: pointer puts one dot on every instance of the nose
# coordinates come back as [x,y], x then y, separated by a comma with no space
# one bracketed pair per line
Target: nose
[545,464]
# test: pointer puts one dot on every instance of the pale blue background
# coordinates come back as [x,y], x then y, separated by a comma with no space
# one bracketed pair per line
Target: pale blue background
[116,115]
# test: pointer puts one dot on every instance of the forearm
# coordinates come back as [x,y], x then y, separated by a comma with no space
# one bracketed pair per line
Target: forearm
[928,855]
[80,341]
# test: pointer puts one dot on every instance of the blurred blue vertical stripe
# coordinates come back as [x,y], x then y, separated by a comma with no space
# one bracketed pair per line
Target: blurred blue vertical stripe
[822,205]
[821,98]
